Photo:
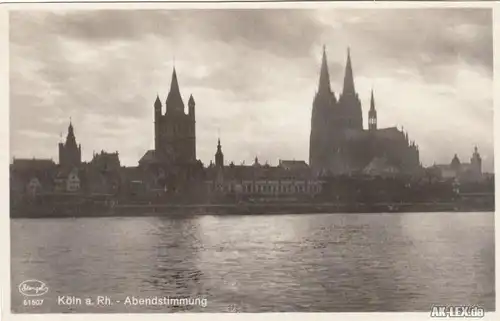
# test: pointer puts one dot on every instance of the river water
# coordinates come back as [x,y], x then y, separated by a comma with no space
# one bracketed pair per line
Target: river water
[276,263]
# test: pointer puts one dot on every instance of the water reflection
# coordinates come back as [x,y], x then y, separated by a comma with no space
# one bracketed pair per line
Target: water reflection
[175,273]
[365,262]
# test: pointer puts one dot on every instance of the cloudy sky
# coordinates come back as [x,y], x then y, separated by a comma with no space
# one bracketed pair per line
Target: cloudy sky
[253,74]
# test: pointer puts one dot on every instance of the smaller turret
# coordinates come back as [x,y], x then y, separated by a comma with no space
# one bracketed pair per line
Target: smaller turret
[157,117]
[191,105]
[157,105]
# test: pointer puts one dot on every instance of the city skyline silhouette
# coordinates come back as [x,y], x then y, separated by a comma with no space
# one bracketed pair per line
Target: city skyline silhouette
[261,101]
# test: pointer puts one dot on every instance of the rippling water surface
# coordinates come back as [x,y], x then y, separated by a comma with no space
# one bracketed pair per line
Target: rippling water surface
[331,263]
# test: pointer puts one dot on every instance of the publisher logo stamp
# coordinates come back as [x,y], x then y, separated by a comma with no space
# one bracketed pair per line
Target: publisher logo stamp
[457,311]
[33,288]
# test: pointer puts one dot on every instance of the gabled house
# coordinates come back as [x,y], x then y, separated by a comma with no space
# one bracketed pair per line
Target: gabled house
[67,180]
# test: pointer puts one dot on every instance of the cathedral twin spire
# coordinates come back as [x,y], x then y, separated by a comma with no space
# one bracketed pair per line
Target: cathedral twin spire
[348,90]
[348,77]
[324,77]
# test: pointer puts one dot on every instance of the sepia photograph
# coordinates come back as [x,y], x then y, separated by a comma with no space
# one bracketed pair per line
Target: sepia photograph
[250,160]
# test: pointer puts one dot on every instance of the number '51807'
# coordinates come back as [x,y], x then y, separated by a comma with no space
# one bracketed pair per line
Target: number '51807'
[32,302]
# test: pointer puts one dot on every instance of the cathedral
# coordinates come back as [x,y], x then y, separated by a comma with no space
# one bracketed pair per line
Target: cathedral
[338,142]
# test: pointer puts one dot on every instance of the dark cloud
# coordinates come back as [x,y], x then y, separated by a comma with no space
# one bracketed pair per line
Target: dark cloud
[285,32]
[424,38]
[94,25]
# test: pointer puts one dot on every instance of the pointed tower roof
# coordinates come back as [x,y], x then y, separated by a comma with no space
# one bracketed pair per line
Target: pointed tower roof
[157,101]
[372,102]
[348,76]
[174,99]
[219,156]
[174,83]
[324,76]
[191,100]
[70,128]
[70,138]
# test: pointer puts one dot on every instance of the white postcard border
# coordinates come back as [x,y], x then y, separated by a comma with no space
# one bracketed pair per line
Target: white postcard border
[5,285]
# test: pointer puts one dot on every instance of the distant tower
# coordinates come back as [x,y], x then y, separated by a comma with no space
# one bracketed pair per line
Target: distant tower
[219,156]
[219,167]
[476,162]
[70,154]
[455,163]
[372,116]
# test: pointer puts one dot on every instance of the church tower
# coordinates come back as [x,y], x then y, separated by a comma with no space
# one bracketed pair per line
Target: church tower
[70,154]
[322,109]
[372,116]
[175,131]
